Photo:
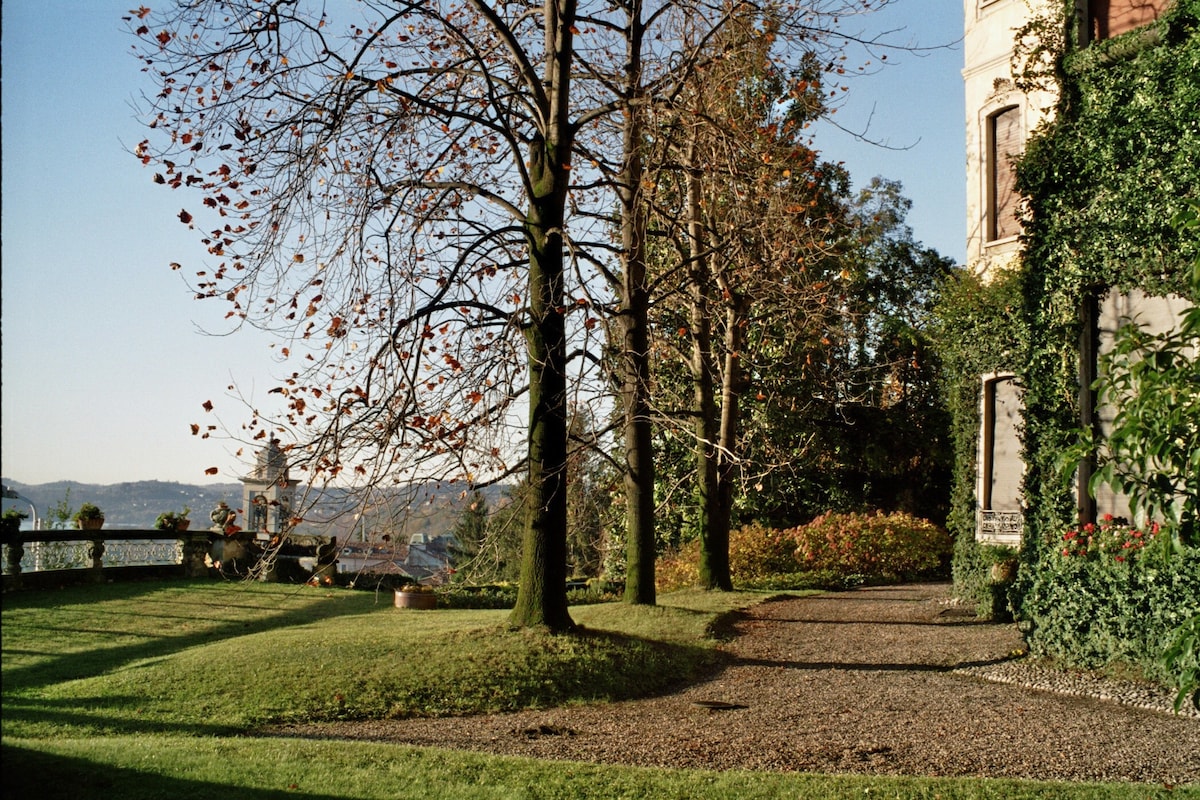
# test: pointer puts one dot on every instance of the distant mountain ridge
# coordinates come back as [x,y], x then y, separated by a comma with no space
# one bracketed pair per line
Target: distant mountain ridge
[130,505]
[137,504]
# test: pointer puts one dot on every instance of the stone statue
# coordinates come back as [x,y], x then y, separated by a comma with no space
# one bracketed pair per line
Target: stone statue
[222,517]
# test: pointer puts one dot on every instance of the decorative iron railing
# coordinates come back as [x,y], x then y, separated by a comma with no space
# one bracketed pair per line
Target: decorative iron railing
[1000,526]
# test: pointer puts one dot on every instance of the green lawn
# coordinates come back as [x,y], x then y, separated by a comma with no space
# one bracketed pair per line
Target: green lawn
[154,689]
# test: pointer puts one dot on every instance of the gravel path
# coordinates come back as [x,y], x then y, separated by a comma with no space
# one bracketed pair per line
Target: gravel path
[890,680]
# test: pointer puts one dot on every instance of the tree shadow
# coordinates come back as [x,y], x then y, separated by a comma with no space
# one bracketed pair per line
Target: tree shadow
[106,715]
[37,775]
[867,666]
[951,622]
[98,661]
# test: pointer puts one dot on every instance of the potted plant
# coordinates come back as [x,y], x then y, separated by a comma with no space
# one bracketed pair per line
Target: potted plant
[1002,563]
[173,521]
[12,521]
[89,517]
[416,595]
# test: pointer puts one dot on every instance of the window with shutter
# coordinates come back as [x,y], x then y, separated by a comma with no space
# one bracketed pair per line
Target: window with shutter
[1110,18]
[1005,144]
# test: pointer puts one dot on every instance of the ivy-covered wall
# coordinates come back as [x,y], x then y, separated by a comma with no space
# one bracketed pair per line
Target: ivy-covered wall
[979,329]
[1103,181]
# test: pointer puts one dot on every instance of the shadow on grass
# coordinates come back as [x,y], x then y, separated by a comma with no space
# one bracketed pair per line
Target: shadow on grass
[99,715]
[650,668]
[164,642]
[38,775]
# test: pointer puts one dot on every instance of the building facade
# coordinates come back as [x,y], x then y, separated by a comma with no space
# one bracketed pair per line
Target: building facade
[1000,119]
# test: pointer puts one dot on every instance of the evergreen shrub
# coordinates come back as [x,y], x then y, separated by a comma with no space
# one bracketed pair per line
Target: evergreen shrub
[1089,609]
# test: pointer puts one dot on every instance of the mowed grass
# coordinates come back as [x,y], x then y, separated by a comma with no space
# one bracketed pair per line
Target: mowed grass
[157,690]
[221,658]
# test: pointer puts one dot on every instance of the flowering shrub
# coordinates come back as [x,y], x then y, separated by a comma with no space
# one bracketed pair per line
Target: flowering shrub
[833,551]
[678,569]
[757,552]
[889,546]
[1111,539]
[1093,610]
[758,557]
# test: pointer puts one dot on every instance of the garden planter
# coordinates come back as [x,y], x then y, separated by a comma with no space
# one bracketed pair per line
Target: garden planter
[1001,611]
[1004,571]
[423,601]
[90,524]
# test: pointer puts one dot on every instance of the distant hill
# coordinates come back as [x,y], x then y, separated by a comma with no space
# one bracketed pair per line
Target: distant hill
[430,510]
[130,505]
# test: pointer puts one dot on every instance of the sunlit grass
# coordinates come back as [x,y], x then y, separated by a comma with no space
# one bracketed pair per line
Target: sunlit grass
[157,690]
[183,768]
[221,658]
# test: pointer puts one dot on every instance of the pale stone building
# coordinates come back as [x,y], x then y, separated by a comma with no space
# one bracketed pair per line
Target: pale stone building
[999,122]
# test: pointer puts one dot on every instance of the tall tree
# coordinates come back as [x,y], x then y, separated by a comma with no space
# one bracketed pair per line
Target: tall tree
[389,192]
[670,49]
[762,216]
[635,328]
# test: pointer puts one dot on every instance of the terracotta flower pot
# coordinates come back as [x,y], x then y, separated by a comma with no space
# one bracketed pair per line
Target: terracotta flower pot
[423,601]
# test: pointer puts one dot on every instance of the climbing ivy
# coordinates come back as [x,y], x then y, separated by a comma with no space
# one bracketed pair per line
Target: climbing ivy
[1102,181]
[978,329]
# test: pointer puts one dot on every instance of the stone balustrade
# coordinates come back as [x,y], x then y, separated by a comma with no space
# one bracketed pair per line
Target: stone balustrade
[38,559]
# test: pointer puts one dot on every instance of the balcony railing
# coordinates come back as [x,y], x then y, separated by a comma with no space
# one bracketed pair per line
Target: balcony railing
[48,558]
[52,557]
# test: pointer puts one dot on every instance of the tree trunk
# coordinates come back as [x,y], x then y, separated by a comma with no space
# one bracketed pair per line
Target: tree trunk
[542,594]
[635,330]
[731,388]
[714,546]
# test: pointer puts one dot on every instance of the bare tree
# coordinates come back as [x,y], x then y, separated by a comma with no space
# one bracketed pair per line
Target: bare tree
[388,193]
[393,195]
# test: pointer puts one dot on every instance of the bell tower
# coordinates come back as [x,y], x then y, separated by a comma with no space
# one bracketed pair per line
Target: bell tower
[267,493]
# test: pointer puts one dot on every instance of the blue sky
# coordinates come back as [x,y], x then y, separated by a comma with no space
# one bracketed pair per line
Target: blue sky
[106,362]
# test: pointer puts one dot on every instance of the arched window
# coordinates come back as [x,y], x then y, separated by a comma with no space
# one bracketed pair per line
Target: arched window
[1005,142]
[1001,467]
